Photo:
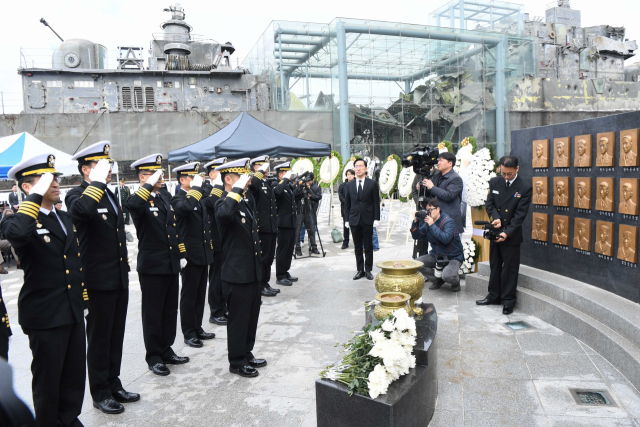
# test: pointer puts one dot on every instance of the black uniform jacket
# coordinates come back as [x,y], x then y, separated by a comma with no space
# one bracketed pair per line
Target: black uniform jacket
[240,240]
[5,332]
[103,242]
[159,245]
[287,196]
[342,195]
[54,288]
[263,203]
[509,205]
[209,204]
[193,226]
[366,208]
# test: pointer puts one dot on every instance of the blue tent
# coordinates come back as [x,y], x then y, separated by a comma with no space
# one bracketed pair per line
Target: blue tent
[249,137]
[15,148]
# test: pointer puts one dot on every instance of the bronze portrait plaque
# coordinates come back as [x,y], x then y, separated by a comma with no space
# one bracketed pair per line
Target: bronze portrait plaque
[540,190]
[561,191]
[605,194]
[604,238]
[606,147]
[582,234]
[561,152]
[561,230]
[629,147]
[540,226]
[540,153]
[628,196]
[582,151]
[582,193]
[628,237]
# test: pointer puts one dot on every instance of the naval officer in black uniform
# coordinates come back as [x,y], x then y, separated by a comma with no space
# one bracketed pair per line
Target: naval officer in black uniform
[217,303]
[287,195]
[193,227]
[159,262]
[5,333]
[263,203]
[98,218]
[53,297]
[241,266]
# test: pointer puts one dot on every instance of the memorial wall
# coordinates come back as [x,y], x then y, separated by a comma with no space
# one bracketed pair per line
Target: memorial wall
[584,213]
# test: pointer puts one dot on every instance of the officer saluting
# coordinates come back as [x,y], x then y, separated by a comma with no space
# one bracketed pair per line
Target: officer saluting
[287,196]
[159,262]
[100,223]
[193,227]
[52,299]
[217,303]
[241,268]
[266,211]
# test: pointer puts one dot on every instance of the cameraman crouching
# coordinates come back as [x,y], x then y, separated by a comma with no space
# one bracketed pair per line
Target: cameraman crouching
[446,253]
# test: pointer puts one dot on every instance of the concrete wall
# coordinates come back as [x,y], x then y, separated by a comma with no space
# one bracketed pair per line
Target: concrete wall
[134,135]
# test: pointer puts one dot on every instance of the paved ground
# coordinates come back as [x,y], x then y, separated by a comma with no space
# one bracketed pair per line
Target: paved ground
[488,375]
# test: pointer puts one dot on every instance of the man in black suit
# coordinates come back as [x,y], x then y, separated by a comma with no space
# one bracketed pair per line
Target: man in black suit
[342,195]
[287,195]
[53,297]
[507,205]
[363,203]
[159,262]
[95,212]
[13,198]
[123,193]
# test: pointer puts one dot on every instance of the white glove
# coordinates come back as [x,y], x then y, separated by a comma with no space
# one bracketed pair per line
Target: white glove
[42,186]
[242,182]
[183,263]
[100,172]
[264,167]
[86,312]
[218,180]
[197,181]
[375,224]
[288,174]
[153,179]
[346,224]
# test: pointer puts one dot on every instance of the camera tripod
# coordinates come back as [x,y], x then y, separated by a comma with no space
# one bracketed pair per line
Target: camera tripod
[317,232]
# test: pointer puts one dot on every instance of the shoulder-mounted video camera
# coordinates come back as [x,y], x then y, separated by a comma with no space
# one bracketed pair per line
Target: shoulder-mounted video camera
[490,232]
[422,159]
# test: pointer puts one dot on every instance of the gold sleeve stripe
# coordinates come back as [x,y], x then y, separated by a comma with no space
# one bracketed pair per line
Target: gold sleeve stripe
[281,181]
[217,192]
[94,190]
[28,211]
[34,209]
[143,190]
[94,198]
[144,195]
[31,204]
[183,250]
[259,175]
[195,194]
[234,196]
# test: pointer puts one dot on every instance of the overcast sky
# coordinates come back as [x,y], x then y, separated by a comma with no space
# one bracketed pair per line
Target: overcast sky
[130,23]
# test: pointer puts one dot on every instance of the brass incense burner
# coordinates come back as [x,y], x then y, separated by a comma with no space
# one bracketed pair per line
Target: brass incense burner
[401,276]
[390,302]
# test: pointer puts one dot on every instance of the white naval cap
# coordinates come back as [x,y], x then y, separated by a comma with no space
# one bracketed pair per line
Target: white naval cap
[192,168]
[286,166]
[93,153]
[35,166]
[240,166]
[151,162]
[215,163]
[261,160]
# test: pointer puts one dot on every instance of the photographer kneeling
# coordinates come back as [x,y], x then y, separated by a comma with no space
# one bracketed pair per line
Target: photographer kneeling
[443,261]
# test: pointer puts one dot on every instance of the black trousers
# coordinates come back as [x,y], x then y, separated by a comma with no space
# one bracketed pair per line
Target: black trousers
[363,234]
[105,335]
[244,310]
[159,315]
[504,261]
[58,374]
[4,347]
[192,299]
[284,253]
[217,303]
[268,248]
[345,240]
[307,220]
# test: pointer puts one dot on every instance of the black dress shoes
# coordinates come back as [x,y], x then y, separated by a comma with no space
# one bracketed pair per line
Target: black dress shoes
[359,275]
[487,301]
[267,293]
[277,291]
[456,288]
[507,309]
[175,360]
[257,363]
[345,246]
[437,285]
[160,369]
[123,396]
[315,251]
[284,282]
[218,320]
[291,278]
[298,252]
[245,371]
[205,335]
[109,406]
[193,342]
[369,275]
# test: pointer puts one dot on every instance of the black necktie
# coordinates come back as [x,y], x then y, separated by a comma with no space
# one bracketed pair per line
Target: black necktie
[359,188]
[508,183]
[53,215]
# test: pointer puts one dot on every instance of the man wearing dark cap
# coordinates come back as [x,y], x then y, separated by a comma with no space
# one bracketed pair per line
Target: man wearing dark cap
[287,195]
[53,297]
[193,227]
[160,259]
[95,212]
[241,268]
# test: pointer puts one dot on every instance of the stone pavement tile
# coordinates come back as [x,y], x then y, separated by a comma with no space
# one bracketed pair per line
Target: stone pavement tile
[447,340]
[538,326]
[628,396]
[540,343]
[269,350]
[508,365]
[449,395]
[133,367]
[268,411]
[567,367]
[488,341]
[317,333]
[287,381]
[557,400]
[500,395]
[492,419]
[444,418]
[449,364]
[555,421]
[198,406]
[279,332]
[586,348]
[489,322]
[310,419]
[312,355]
[607,370]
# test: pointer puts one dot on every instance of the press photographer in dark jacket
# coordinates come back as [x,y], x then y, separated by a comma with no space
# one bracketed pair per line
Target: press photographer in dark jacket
[342,195]
[439,229]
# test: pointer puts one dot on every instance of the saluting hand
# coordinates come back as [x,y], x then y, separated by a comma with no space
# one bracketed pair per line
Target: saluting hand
[43,184]
[242,182]
[264,167]
[197,181]
[288,175]
[153,179]
[100,172]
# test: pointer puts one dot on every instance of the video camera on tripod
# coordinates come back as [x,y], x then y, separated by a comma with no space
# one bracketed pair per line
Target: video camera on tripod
[422,159]
[490,232]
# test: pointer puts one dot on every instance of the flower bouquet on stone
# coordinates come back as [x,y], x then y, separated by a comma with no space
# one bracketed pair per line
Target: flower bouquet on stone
[377,357]
[469,247]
